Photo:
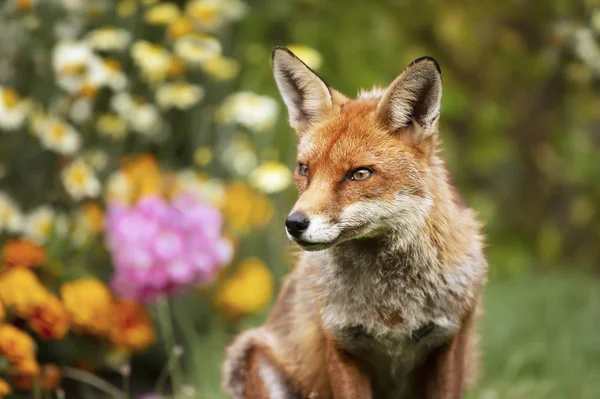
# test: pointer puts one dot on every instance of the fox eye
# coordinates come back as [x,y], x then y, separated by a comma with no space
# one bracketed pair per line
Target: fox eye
[302,169]
[360,174]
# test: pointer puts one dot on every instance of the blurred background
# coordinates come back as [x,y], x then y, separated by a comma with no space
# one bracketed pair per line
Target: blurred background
[146,163]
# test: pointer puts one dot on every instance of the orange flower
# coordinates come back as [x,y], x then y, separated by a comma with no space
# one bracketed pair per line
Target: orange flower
[144,174]
[50,377]
[21,290]
[24,253]
[50,320]
[19,349]
[2,312]
[246,208]
[132,329]
[88,301]
[94,216]
[4,388]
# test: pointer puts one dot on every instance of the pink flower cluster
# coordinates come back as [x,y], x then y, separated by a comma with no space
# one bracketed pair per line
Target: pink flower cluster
[160,247]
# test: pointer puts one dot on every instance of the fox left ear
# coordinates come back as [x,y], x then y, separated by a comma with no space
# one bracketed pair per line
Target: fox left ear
[413,99]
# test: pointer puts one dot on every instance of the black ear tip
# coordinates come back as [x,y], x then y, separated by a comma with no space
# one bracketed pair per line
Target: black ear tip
[428,59]
[277,49]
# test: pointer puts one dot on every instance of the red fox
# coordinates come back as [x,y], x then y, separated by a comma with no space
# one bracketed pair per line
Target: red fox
[384,299]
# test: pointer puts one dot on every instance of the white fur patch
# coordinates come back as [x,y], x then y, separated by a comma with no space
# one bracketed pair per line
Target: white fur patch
[321,231]
[273,381]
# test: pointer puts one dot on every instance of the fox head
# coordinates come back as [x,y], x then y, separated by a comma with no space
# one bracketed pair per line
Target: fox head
[363,163]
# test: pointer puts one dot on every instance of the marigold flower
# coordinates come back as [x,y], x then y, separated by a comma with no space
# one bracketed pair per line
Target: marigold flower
[4,388]
[144,174]
[2,312]
[246,208]
[132,328]
[50,377]
[23,252]
[248,291]
[18,349]
[50,321]
[89,302]
[21,290]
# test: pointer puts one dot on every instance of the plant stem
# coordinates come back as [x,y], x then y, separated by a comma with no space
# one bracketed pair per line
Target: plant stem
[94,381]
[166,325]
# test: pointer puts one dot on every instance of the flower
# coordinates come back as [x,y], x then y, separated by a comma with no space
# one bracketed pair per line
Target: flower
[114,76]
[111,125]
[49,379]
[203,155]
[308,55]
[180,27]
[108,38]
[13,109]
[80,180]
[2,312]
[197,49]
[239,156]
[152,59]
[257,113]
[245,208]
[221,68]
[161,247]
[78,69]
[248,290]
[132,329]
[119,188]
[81,110]
[178,95]
[271,177]
[89,302]
[88,221]
[21,290]
[50,319]
[162,14]
[4,388]
[21,252]
[39,224]
[143,173]
[207,13]
[59,136]
[11,218]
[96,158]
[207,190]
[18,349]
[143,117]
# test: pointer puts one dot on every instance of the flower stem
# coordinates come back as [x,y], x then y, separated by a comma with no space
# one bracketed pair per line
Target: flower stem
[94,381]
[166,325]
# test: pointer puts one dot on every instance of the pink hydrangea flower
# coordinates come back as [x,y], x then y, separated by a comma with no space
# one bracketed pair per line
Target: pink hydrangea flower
[160,247]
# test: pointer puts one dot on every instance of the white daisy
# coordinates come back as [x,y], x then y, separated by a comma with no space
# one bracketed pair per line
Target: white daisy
[271,177]
[80,180]
[178,95]
[197,49]
[11,218]
[70,61]
[59,136]
[152,59]
[118,188]
[81,110]
[108,38]
[13,109]
[257,113]
[39,224]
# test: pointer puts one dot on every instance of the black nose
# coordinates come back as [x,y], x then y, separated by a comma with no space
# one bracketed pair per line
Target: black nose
[296,224]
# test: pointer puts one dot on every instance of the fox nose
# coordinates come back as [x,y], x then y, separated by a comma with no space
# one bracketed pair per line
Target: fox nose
[296,224]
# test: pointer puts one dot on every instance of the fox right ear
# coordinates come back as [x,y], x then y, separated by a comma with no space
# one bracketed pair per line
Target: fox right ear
[305,94]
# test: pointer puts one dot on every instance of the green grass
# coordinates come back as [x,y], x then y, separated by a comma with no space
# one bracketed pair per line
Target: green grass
[541,339]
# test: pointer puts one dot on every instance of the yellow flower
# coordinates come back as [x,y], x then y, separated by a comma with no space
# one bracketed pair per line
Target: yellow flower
[142,116]
[179,95]
[203,155]
[144,174]
[309,55]
[180,27]
[13,109]
[248,290]
[20,252]
[207,13]
[111,125]
[255,112]
[19,349]
[153,60]
[2,312]
[59,136]
[21,290]
[11,218]
[126,8]
[245,208]
[50,320]
[271,177]
[4,388]
[132,329]
[80,180]
[221,68]
[39,224]
[108,38]
[119,188]
[25,6]
[197,49]
[89,302]
[162,14]
[209,190]
[176,69]
[88,221]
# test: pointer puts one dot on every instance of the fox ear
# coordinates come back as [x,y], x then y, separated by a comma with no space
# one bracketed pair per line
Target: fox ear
[413,99]
[305,94]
